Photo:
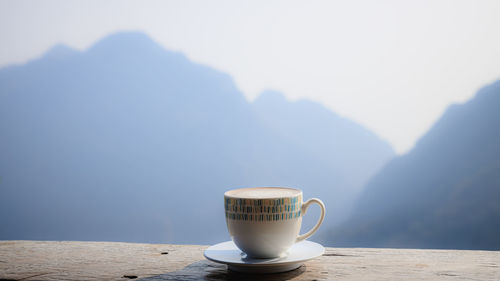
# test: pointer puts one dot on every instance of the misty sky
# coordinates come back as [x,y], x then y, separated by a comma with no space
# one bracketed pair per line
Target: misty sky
[393,66]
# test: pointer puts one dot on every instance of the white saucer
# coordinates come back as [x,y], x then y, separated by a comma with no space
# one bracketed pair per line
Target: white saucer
[236,260]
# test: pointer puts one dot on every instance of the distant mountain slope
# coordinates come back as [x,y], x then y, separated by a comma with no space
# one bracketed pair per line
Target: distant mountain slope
[445,193]
[127,141]
[352,153]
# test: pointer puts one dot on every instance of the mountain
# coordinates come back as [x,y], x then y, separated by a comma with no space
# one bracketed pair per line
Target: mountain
[445,193]
[348,151]
[127,141]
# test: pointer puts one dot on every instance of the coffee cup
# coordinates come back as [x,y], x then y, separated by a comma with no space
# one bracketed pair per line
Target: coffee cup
[264,222]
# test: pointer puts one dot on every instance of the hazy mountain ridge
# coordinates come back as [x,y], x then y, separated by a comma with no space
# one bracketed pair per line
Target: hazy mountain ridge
[304,123]
[127,141]
[442,194]
[343,151]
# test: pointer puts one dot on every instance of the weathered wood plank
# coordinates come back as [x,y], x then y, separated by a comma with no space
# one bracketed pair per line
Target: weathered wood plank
[44,260]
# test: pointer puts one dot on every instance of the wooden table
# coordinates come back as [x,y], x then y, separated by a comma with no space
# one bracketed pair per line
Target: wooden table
[47,260]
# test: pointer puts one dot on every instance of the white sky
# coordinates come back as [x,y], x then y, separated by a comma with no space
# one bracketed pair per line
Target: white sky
[392,66]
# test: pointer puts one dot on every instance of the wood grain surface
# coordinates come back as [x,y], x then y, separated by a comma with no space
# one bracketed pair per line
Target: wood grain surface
[50,260]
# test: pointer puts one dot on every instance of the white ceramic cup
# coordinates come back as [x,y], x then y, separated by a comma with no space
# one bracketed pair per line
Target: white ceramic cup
[264,222]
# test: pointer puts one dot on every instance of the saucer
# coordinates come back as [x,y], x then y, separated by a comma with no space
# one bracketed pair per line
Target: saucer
[236,260]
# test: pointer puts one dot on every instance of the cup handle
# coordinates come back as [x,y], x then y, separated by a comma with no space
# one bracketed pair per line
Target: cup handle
[320,220]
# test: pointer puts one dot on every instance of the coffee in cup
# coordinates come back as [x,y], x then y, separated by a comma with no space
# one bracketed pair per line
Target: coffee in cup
[264,222]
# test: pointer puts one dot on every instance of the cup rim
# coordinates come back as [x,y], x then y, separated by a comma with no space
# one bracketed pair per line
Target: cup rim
[228,195]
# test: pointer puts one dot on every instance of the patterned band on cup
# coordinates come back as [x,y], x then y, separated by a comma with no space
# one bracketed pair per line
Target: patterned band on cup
[263,209]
